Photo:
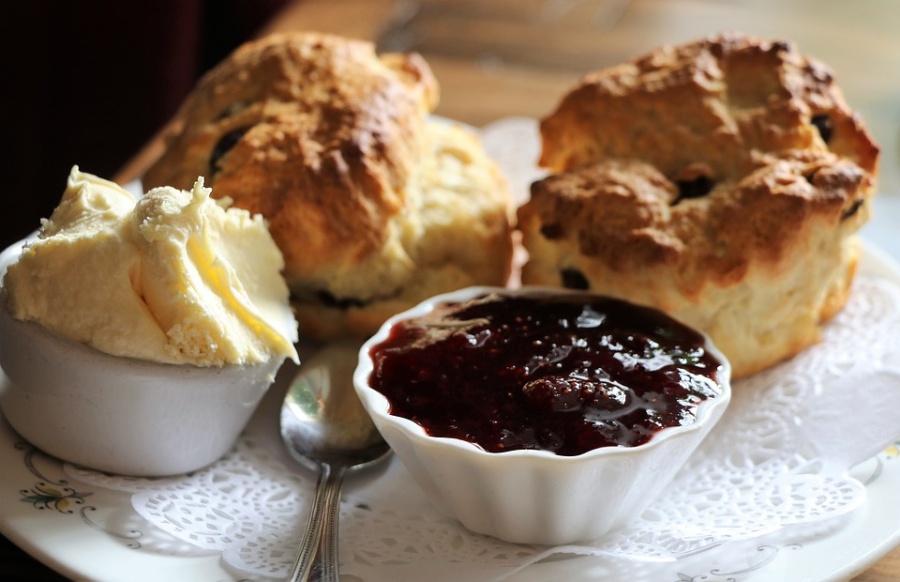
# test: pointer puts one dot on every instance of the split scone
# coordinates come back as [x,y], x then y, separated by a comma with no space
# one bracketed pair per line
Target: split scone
[374,204]
[722,181]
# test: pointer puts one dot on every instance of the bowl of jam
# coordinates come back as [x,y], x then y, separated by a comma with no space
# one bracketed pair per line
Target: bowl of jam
[541,416]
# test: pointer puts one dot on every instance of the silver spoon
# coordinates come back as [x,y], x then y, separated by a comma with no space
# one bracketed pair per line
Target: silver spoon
[326,429]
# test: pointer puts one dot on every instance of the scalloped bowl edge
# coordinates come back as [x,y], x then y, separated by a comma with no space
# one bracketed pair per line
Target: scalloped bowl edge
[535,497]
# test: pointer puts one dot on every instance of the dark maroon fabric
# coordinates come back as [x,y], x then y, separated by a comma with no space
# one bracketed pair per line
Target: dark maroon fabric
[89,83]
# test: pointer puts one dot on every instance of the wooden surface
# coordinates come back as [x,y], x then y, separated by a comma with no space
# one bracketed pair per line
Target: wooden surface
[501,58]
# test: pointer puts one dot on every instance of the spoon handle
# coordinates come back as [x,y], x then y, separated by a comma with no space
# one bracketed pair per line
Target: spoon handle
[312,537]
[321,529]
[329,548]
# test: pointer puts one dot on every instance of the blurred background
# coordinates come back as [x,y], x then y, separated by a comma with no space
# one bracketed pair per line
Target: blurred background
[90,83]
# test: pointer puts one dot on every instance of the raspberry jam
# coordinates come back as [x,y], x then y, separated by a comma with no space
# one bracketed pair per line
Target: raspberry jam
[565,373]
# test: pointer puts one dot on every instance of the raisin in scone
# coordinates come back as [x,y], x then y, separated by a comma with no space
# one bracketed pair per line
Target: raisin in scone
[722,181]
[374,204]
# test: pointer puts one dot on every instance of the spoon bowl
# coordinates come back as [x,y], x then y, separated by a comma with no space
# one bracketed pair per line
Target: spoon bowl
[326,429]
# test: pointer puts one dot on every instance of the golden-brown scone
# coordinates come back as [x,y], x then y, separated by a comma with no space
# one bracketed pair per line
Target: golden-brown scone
[724,101]
[722,181]
[333,144]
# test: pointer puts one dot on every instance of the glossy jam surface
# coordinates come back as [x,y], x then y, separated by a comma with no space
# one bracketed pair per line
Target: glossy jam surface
[563,373]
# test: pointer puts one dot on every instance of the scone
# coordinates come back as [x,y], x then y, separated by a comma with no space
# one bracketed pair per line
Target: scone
[722,181]
[374,204]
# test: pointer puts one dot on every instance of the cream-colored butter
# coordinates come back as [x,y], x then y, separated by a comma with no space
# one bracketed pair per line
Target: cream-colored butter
[173,277]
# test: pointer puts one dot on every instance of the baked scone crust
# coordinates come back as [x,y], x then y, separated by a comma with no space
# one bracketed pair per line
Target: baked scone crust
[325,132]
[332,143]
[721,181]
[455,232]
[730,100]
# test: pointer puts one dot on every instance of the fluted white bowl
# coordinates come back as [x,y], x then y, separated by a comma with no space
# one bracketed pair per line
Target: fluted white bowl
[530,496]
[116,414]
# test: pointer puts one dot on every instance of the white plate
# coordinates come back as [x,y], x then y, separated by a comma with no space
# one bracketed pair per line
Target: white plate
[84,531]
[90,532]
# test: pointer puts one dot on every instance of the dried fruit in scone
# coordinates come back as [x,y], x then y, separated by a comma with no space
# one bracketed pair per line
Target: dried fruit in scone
[374,205]
[722,181]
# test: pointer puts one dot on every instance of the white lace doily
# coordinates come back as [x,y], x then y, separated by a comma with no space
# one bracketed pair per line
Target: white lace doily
[777,462]
[778,459]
